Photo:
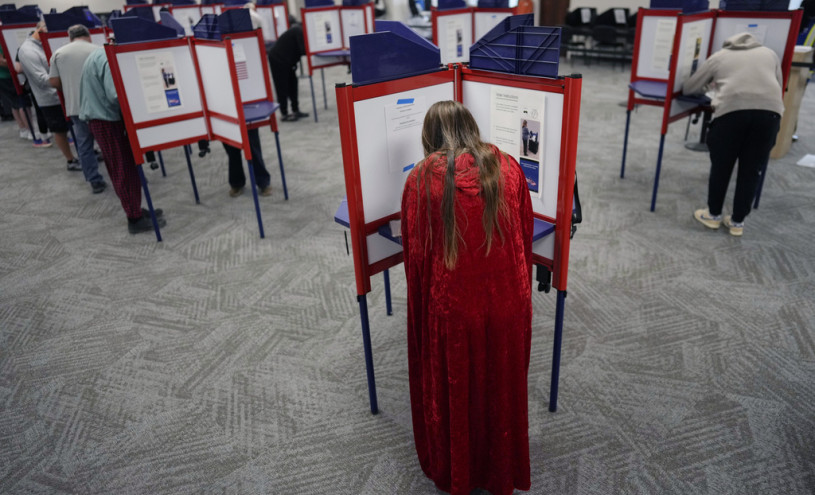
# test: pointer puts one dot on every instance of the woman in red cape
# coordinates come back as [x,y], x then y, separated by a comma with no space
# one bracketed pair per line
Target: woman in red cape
[467,238]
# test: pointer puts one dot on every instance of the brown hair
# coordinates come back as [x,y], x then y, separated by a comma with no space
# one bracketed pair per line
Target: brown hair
[450,130]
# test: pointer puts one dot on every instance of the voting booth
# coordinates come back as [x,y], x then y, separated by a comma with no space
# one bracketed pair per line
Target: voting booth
[327,29]
[149,9]
[236,86]
[457,26]
[159,92]
[15,26]
[186,12]
[670,45]
[274,13]
[380,120]
[211,7]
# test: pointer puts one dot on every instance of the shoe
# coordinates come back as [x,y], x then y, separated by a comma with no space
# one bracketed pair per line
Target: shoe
[202,153]
[26,134]
[42,143]
[235,191]
[705,218]
[266,191]
[289,117]
[736,228]
[153,165]
[143,224]
[146,213]
[99,157]
[300,115]
[73,165]
[98,187]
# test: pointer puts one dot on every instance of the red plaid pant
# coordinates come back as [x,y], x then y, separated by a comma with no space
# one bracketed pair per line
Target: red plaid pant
[112,139]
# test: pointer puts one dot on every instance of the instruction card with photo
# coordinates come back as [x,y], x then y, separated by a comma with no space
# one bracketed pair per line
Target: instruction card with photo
[455,39]
[403,122]
[325,31]
[158,81]
[692,40]
[516,127]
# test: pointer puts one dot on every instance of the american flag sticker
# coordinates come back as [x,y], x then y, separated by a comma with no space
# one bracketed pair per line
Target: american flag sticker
[240,68]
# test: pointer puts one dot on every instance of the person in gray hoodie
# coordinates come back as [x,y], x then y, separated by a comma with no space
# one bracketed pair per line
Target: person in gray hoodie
[747,108]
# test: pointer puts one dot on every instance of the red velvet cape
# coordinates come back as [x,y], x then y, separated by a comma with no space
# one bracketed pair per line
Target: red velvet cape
[469,333]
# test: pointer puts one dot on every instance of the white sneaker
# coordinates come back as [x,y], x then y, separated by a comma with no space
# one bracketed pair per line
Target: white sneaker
[26,134]
[736,228]
[704,217]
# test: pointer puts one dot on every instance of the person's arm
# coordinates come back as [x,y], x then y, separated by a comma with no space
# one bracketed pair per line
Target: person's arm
[35,68]
[698,82]
[53,74]
[110,88]
[779,76]
[3,61]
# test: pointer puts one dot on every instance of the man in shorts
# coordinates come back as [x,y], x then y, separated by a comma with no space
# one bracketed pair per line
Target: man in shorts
[35,67]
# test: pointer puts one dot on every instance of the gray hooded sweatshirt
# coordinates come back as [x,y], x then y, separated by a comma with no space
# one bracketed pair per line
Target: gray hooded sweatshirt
[744,75]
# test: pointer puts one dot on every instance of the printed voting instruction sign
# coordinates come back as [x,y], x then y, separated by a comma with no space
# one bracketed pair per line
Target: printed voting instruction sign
[158,80]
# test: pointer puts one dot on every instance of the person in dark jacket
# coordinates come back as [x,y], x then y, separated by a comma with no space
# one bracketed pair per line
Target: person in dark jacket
[283,59]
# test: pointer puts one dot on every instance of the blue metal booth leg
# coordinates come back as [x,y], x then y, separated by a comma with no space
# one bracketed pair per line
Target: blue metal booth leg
[659,168]
[325,96]
[625,142]
[255,197]
[388,306]
[187,152]
[149,202]
[561,300]
[161,162]
[366,344]
[313,99]
[280,161]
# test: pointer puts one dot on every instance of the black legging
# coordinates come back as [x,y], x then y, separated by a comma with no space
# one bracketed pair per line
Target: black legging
[746,136]
[285,84]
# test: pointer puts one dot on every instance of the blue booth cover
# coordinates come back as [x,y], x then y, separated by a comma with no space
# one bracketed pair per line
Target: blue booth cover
[392,52]
[515,46]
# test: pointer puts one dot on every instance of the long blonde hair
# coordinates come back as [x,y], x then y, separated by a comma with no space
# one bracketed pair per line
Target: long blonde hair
[450,130]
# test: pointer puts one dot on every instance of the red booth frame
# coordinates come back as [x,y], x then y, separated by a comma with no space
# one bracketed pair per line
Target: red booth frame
[361,228]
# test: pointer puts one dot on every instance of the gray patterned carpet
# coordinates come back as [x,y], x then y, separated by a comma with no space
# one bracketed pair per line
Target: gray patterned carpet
[217,362]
